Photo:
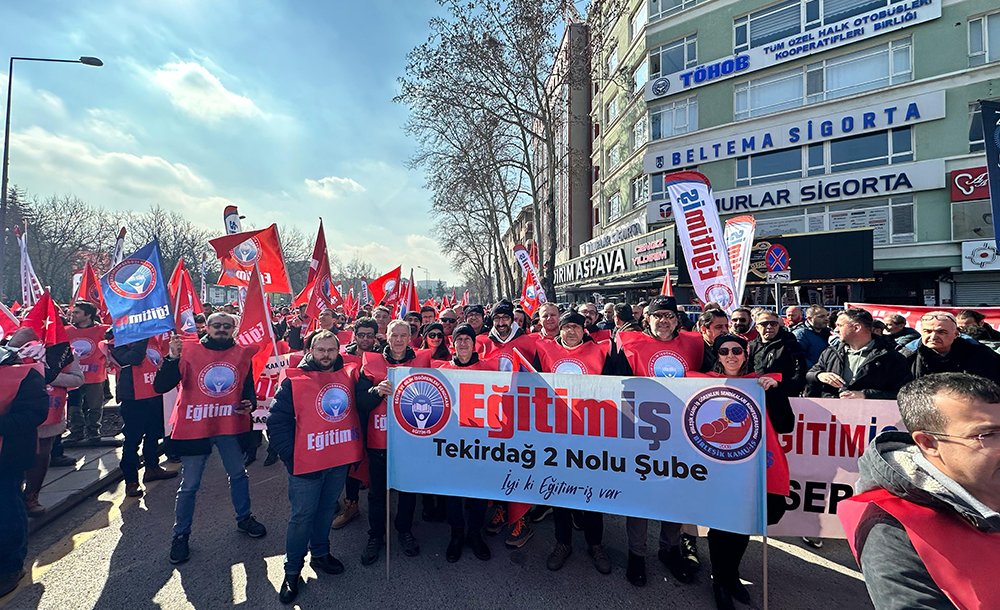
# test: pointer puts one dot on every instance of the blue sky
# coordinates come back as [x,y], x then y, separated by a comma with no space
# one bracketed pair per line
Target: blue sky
[283,108]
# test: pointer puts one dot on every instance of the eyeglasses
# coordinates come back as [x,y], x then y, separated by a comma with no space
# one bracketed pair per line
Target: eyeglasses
[987,440]
[435,335]
[767,323]
[364,335]
[663,316]
[222,326]
[725,351]
[938,316]
[449,320]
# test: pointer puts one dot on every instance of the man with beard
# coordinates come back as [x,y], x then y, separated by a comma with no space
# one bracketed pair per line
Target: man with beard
[712,323]
[741,323]
[216,398]
[589,311]
[505,337]
[795,318]
[814,335]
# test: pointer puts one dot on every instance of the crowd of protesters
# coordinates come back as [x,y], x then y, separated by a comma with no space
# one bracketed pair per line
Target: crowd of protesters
[941,371]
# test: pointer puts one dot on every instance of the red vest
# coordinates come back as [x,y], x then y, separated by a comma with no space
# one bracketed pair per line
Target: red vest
[344,338]
[480,365]
[650,357]
[211,389]
[144,372]
[57,398]
[86,344]
[376,368]
[601,335]
[959,558]
[11,377]
[584,359]
[435,362]
[327,430]
[501,352]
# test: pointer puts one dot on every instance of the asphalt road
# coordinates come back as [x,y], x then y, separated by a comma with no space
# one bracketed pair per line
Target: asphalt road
[111,552]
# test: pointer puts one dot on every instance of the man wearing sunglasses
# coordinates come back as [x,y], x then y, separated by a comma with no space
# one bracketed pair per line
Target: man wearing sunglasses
[925,526]
[942,350]
[775,350]
[213,408]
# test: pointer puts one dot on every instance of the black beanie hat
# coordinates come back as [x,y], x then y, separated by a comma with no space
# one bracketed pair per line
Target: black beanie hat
[572,317]
[463,329]
[503,308]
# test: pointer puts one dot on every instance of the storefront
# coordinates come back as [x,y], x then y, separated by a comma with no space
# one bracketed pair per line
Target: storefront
[977,282]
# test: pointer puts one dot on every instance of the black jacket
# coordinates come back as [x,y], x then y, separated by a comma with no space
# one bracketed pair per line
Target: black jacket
[128,356]
[169,376]
[880,376]
[281,418]
[364,392]
[19,423]
[782,355]
[964,357]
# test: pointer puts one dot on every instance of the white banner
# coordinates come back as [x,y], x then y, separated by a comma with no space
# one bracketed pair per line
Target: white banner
[31,288]
[530,272]
[702,240]
[823,450]
[739,234]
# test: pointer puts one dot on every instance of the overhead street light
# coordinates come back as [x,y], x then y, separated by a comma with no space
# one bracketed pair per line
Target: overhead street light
[85,60]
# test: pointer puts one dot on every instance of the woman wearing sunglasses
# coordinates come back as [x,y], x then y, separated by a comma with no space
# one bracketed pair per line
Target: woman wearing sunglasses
[434,344]
[726,549]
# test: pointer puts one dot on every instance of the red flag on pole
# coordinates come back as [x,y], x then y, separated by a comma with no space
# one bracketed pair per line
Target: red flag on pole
[240,252]
[319,254]
[529,297]
[185,300]
[8,321]
[255,325]
[45,321]
[465,298]
[90,290]
[667,289]
[324,294]
[385,290]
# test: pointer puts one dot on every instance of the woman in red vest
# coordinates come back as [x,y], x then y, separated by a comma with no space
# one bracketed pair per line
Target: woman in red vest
[726,549]
[434,344]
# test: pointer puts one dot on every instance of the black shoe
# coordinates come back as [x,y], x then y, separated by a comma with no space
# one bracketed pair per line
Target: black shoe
[454,551]
[409,543]
[371,552]
[179,550]
[327,563]
[62,461]
[251,527]
[479,547]
[289,588]
[537,514]
[635,573]
[271,459]
[8,582]
[557,558]
[601,560]
[679,566]
[723,598]
[739,592]
[689,550]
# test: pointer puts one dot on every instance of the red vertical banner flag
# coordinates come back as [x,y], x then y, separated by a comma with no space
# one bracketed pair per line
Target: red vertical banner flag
[8,321]
[318,254]
[465,298]
[324,294]
[667,289]
[529,297]
[45,321]
[90,290]
[350,304]
[186,304]
[240,252]
[255,325]
[385,289]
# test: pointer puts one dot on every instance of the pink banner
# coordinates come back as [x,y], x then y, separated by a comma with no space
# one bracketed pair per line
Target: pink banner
[913,313]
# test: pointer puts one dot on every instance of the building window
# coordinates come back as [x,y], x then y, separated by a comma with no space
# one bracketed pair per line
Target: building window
[667,120]
[639,77]
[892,219]
[984,39]
[637,22]
[673,56]
[612,109]
[614,156]
[614,206]
[612,64]
[662,8]
[879,66]
[640,132]
[841,155]
[639,190]
[977,142]
[657,189]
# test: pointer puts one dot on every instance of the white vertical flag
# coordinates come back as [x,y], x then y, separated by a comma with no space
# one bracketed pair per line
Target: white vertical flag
[739,234]
[31,288]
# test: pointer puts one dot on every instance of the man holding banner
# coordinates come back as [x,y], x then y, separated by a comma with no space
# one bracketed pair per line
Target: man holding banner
[213,407]
[314,427]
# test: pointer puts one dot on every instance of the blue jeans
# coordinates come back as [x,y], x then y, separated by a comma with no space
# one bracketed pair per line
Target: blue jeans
[13,524]
[193,466]
[314,503]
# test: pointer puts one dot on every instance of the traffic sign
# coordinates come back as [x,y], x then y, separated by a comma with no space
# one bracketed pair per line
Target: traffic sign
[776,258]
[779,277]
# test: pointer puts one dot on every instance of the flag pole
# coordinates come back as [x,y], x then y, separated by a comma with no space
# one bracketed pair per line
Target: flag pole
[765,570]
[267,310]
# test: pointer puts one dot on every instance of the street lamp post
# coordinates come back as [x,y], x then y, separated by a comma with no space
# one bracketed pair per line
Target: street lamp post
[85,60]
[427,281]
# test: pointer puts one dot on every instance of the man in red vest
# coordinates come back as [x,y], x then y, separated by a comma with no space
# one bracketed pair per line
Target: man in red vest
[23,406]
[314,427]
[216,397]
[504,337]
[548,316]
[925,526]
[86,404]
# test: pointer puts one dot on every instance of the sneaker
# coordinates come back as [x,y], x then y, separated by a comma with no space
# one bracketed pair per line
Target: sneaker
[155,473]
[372,549]
[251,527]
[520,534]
[635,573]
[689,549]
[454,551]
[8,582]
[558,556]
[601,560]
[62,461]
[179,551]
[347,515]
[479,547]
[133,490]
[271,459]
[289,588]
[816,543]
[327,563]
[537,514]
[498,519]
[409,543]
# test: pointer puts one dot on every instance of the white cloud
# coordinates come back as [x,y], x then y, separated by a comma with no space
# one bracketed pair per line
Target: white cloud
[333,187]
[199,93]
[409,251]
[109,128]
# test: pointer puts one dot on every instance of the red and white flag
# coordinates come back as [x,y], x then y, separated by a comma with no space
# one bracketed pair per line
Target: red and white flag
[465,298]
[240,252]
[529,297]
[90,290]
[408,301]
[8,321]
[667,289]
[739,234]
[702,239]
[255,326]
[186,304]
[385,289]
[530,271]
[323,293]
[318,254]
[31,288]
[45,321]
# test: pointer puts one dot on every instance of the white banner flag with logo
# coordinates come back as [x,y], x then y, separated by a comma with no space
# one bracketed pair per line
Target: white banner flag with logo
[739,234]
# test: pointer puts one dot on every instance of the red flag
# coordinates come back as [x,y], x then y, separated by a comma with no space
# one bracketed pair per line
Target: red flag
[529,297]
[668,289]
[465,298]
[45,321]
[454,298]
[90,290]
[15,307]
[350,305]
[323,293]
[385,290]
[412,301]
[8,321]
[255,325]
[239,253]
[185,301]
[319,253]
[445,303]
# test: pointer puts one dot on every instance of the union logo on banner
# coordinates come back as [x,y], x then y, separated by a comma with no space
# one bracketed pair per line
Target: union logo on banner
[333,403]
[569,366]
[422,405]
[217,379]
[666,364]
[132,278]
[724,424]
[248,252]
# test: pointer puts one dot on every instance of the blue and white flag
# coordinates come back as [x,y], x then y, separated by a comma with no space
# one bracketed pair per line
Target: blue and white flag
[991,133]
[135,291]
